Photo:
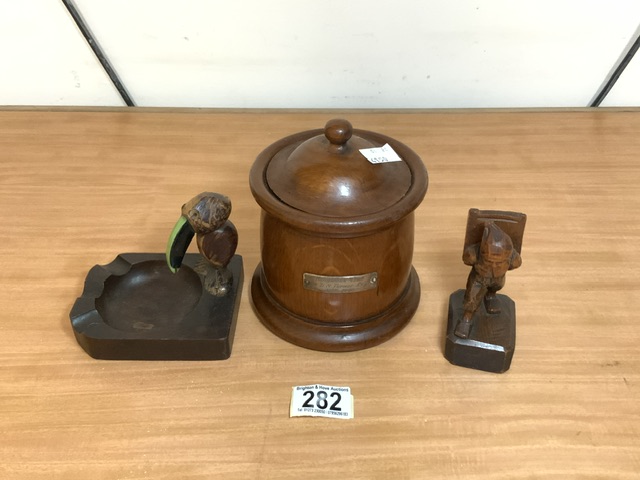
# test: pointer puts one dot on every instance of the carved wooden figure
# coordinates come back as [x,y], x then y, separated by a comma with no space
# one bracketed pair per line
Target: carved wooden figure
[481,324]
[206,215]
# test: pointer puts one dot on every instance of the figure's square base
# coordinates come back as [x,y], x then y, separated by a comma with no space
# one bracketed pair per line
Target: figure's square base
[134,308]
[492,340]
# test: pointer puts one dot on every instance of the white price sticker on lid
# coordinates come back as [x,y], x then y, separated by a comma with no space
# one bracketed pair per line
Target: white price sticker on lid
[321,401]
[384,154]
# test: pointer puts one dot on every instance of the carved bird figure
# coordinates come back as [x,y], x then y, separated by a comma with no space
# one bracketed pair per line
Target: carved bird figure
[205,216]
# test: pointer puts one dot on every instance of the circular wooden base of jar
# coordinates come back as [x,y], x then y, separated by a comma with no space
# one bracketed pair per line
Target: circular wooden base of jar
[327,337]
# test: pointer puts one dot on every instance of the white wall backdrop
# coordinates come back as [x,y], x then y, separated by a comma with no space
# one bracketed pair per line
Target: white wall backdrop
[45,61]
[334,54]
[626,91]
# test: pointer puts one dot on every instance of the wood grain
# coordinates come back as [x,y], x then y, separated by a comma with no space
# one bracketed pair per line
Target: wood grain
[76,189]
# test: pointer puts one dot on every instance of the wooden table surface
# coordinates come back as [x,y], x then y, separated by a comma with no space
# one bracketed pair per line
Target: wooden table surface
[79,187]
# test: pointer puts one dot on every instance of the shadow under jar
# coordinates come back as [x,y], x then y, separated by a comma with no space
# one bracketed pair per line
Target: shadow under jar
[337,238]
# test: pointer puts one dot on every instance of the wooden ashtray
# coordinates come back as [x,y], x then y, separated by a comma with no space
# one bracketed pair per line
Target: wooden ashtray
[135,308]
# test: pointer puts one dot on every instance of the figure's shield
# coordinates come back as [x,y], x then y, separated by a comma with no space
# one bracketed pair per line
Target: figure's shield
[511,223]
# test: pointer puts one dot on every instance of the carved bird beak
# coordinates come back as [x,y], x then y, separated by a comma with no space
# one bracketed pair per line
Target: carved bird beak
[179,241]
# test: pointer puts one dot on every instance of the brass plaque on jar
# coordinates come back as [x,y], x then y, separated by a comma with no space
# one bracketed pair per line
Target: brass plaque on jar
[340,284]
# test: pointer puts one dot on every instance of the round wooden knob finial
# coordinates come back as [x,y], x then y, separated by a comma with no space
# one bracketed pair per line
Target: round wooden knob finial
[338,131]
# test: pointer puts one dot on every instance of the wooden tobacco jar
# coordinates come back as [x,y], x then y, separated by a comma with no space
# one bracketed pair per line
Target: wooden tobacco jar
[336,238]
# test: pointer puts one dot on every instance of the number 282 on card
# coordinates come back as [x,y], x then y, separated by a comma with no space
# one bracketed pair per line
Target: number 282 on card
[321,401]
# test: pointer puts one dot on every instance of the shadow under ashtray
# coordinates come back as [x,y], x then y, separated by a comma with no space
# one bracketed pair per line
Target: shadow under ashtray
[135,308]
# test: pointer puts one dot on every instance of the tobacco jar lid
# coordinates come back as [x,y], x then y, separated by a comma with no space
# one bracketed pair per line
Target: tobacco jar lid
[319,181]
[327,175]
